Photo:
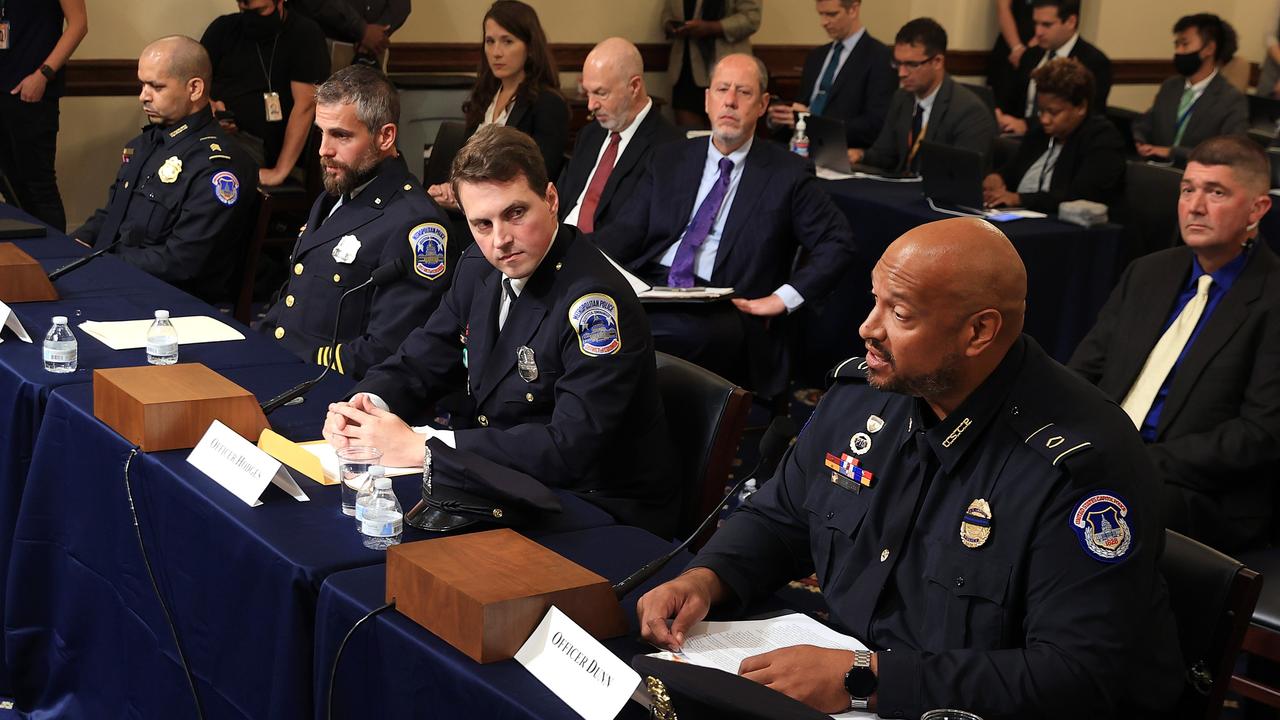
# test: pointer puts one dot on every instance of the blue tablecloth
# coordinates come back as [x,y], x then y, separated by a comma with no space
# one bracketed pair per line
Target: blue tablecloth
[84,632]
[393,668]
[1070,271]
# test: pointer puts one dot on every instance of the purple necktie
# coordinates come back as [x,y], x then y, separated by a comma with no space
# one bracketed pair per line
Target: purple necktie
[681,274]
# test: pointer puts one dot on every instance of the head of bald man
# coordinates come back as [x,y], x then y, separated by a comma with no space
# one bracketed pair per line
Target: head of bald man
[613,77]
[949,302]
[174,72]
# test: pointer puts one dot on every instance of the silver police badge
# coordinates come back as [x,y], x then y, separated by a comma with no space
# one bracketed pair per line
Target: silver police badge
[874,424]
[525,364]
[860,443]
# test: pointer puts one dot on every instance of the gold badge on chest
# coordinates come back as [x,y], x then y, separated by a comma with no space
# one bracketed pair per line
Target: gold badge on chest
[975,528]
[170,170]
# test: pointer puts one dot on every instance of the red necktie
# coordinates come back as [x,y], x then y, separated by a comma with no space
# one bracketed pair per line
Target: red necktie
[587,214]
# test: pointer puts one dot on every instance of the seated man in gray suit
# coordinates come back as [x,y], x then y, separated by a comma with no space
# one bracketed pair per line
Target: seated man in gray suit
[1197,103]
[930,104]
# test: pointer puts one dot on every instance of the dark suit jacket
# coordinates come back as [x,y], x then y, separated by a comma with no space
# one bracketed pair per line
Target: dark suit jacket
[1218,439]
[627,170]
[1088,55]
[546,120]
[1090,167]
[959,118]
[860,93]
[1221,110]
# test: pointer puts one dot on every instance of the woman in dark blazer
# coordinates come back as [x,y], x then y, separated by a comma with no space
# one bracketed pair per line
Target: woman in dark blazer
[517,85]
[1070,154]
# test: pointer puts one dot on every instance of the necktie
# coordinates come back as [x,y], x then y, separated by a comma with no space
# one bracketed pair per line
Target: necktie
[1163,356]
[681,273]
[1184,109]
[917,134]
[509,296]
[587,213]
[124,191]
[828,77]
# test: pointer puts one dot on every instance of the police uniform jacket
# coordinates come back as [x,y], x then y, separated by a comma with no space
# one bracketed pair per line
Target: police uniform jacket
[566,392]
[179,205]
[391,219]
[1004,557]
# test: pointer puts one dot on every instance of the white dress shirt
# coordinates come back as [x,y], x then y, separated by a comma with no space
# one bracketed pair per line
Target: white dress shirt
[624,139]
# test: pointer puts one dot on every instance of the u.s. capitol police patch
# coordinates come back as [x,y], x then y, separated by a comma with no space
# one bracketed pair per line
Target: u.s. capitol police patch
[429,241]
[1101,522]
[594,318]
[226,187]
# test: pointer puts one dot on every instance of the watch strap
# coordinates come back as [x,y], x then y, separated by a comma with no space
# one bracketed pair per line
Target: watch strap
[48,72]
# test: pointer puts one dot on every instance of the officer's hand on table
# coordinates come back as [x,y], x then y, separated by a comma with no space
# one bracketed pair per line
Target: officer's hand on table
[770,306]
[32,87]
[443,195]
[360,422]
[812,675]
[686,598]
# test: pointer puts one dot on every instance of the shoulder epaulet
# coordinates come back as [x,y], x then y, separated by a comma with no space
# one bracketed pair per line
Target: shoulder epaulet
[1053,441]
[852,370]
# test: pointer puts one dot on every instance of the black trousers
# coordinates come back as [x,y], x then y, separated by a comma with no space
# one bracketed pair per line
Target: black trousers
[28,146]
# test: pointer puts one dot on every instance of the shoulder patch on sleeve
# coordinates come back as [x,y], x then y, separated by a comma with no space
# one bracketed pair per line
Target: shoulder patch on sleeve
[428,242]
[226,187]
[1055,443]
[594,317]
[1101,521]
[854,369]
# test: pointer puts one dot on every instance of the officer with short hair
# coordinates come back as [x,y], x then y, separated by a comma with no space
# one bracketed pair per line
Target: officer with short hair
[983,519]
[177,204]
[374,214]
[547,340]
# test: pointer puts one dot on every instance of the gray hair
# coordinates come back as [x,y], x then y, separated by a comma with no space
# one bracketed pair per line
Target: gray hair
[761,70]
[376,99]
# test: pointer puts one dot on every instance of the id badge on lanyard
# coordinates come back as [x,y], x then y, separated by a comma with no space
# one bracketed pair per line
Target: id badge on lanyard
[271,104]
[4,28]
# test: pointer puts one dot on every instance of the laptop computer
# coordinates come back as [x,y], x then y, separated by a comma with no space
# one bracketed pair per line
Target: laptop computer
[828,146]
[12,229]
[952,178]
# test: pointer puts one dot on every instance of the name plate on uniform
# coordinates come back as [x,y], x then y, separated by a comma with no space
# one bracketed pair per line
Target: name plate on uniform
[577,668]
[10,321]
[240,467]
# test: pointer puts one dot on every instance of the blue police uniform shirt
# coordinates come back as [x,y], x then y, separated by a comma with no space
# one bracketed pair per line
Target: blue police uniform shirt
[1223,279]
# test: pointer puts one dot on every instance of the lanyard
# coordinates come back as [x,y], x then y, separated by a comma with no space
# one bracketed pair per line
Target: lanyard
[266,70]
[1046,168]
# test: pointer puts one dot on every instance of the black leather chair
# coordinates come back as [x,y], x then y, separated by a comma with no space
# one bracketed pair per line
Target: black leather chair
[1151,198]
[706,415]
[1213,598]
[1262,639]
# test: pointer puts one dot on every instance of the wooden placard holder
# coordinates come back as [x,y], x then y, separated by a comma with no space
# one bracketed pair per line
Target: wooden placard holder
[484,593]
[169,407]
[21,277]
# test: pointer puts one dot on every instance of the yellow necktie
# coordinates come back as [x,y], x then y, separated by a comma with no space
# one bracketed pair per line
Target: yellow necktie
[1138,402]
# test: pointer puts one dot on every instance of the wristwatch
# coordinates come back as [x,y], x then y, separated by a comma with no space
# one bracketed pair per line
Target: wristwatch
[860,682]
[47,72]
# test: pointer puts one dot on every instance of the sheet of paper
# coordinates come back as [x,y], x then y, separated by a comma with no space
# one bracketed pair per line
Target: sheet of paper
[637,285]
[829,174]
[132,334]
[885,178]
[9,320]
[724,645]
[693,293]
[329,461]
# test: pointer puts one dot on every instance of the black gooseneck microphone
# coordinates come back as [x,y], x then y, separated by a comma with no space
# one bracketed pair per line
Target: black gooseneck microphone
[83,261]
[773,445]
[383,275]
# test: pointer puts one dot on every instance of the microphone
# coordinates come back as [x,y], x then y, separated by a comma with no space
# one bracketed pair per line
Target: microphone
[83,261]
[773,445]
[382,275]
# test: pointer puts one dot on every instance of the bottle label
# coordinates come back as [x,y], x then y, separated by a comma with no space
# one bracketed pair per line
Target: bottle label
[59,356]
[376,527]
[169,348]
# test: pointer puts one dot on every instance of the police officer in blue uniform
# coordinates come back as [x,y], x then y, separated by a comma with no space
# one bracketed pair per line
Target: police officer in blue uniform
[373,215]
[981,518]
[177,205]
[547,340]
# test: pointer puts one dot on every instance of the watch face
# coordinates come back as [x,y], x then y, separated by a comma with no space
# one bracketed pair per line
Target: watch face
[860,682]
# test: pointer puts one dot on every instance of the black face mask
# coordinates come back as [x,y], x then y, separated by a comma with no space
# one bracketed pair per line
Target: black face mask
[261,27]
[1186,63]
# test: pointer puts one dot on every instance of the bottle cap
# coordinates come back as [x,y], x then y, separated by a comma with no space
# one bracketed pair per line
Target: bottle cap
[382,483]
[162,314]
[59,319]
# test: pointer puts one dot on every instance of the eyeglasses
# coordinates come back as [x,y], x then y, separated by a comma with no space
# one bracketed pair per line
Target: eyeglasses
[911,65]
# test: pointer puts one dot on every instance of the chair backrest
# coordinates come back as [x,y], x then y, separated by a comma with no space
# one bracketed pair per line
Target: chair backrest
[449,141]
[1151,196]
[1213,597]
[706,415]
[984,93]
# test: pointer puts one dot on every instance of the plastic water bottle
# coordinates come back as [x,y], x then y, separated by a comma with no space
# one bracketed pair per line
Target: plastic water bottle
[60,351]
[381,521]
[366,490]
[162,340]
[800,139]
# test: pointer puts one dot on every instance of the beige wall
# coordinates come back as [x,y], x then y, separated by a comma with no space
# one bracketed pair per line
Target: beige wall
[94,129]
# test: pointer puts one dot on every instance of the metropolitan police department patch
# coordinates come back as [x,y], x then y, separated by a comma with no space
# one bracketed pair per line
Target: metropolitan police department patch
[1099,521]
[429,242]
[595,318]
[226,187]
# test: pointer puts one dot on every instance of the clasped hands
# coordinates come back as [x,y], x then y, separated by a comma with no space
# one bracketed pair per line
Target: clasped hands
[358,422]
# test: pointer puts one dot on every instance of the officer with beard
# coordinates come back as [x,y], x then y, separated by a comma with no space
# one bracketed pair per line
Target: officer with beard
[373,214]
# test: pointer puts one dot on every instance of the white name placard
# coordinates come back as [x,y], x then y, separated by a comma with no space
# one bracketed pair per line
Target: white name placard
[239,466]
[577,668]
[9,320]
